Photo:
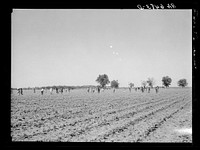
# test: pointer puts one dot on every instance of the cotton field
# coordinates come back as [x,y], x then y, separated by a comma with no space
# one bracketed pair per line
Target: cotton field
[123,116]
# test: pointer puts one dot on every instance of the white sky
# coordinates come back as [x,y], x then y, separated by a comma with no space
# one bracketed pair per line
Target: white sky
[72,47]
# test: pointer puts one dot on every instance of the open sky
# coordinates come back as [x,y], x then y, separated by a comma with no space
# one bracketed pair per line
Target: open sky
[72,47]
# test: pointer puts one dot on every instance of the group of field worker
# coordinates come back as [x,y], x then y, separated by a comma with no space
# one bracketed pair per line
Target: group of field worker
[99,89]
[90,89]
[145,89]
[20,91]
[58,90]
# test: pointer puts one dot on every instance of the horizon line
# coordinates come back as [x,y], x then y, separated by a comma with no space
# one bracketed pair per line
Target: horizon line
[95,86]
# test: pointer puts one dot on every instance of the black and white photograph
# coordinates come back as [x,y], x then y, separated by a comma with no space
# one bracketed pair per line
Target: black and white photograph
[101,75]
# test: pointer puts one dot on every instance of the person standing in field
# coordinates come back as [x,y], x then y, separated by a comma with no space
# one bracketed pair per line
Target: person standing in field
[88,90]
[51,90]
[21,91]
[98,89]
[157,89]
[61,90]
[42,91]
[114,90]
[149,89]
[57,90]
[129,89]
[142,89]
[18,91]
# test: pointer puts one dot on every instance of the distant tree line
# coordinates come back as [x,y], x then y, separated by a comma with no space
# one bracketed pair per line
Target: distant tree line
[103,80]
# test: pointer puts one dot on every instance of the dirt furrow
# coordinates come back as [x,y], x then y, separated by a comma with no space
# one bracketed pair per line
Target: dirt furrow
[56,116]
[158,124]
[94,131]
[69,114]
[96,117]
[103,123]
[123,127]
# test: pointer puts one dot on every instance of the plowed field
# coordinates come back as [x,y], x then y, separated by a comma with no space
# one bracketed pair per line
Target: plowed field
[122,116]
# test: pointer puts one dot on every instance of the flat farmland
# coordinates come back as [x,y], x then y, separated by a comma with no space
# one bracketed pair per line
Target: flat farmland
[122,116]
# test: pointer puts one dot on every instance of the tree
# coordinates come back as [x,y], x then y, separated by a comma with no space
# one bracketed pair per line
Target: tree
[114,84]
[131,85]
[151,82]
[182,83]
[103,80]
[144,83]
[166,81]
